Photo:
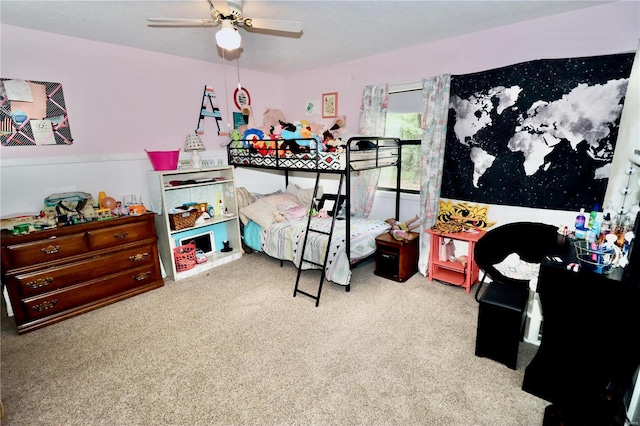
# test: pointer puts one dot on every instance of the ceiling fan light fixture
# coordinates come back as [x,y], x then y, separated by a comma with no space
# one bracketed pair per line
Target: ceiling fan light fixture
[228,37]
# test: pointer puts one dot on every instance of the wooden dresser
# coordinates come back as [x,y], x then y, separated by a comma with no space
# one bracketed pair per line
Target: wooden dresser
[55,274]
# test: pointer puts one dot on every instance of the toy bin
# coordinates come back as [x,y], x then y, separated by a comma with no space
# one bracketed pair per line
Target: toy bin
[164,160]
[185,257]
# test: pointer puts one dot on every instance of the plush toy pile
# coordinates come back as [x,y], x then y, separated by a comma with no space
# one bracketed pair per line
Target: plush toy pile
[277,135]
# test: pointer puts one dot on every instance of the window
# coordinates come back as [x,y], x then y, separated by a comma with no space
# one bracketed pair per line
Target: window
[404,119]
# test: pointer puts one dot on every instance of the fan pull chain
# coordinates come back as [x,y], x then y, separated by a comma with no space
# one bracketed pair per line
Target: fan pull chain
[226,96]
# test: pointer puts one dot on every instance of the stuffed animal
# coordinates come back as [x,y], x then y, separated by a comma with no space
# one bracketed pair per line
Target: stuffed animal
[253,137]
[235,142]
[331,144]
[337,127]
[271,122]
[291,134]
[331,140]
[402,230]
[323,213]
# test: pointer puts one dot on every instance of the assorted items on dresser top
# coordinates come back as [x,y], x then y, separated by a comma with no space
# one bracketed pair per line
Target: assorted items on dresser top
[72,208]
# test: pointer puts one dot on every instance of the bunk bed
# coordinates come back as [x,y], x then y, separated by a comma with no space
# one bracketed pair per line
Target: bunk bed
[324,239]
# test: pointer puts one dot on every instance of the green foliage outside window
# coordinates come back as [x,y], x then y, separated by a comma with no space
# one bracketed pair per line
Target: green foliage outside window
[407,128]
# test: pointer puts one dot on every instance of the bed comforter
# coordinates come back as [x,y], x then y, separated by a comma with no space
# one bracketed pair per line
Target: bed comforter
[283,241]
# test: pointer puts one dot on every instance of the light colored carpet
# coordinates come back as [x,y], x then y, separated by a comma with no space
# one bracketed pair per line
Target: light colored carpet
[232,346]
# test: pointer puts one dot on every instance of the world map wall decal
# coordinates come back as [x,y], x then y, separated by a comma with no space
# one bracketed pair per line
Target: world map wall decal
[538,134]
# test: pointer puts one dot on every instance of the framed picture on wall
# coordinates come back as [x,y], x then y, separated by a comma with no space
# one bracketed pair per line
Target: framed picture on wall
[330,105]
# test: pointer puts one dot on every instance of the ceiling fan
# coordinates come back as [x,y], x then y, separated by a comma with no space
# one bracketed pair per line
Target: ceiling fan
[229,15]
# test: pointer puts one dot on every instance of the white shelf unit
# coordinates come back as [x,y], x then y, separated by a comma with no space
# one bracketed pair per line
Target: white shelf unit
[206,185]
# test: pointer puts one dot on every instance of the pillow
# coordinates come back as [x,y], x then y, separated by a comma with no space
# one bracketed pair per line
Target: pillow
[284,200]
[514,267]
[296,212]
[262,211]
[244,197]
[257,196]
[304,195]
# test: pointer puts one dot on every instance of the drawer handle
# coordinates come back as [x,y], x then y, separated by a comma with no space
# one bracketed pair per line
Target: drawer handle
[40,282]
[142,276]
[138,257]
[50,249]
[121,235]
[47,304]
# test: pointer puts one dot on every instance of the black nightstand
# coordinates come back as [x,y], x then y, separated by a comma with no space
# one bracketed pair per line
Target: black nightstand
[396,259]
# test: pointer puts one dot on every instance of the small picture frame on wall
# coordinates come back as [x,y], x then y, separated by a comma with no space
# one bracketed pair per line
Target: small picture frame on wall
[330,105]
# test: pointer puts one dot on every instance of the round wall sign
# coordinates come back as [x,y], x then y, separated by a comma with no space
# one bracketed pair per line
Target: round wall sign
[241,98]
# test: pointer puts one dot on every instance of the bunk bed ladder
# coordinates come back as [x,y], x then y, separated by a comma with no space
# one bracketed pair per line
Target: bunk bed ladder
[329,234]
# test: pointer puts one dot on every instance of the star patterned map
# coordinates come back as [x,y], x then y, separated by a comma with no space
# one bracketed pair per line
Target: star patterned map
[537,134]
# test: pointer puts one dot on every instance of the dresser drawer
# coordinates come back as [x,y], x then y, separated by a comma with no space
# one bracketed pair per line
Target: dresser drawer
[90,292]
[118,235]
[46,280]
[43,251]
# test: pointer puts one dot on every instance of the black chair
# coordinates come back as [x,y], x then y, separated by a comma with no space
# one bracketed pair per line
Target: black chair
[502,304]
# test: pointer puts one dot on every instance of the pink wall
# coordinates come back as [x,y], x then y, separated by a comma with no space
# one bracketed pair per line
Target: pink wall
[123,100]
[606,29]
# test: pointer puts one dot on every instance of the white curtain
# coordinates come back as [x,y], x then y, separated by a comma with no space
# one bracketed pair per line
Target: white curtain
[373,115]
[435,96]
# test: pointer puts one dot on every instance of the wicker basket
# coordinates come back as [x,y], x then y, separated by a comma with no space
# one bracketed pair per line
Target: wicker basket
[186,219]
[185,256]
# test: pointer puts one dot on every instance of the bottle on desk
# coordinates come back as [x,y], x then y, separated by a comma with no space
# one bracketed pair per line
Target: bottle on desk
[593,225]
[605,227]
[593,216]
[593,234]
[580,230]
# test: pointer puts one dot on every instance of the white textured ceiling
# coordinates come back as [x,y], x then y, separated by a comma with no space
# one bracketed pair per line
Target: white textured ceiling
[334,31]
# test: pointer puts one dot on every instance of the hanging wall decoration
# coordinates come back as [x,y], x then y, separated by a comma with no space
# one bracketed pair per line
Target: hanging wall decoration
[210,95]
[33,113]
[538,134]
[460,217]
[241,98]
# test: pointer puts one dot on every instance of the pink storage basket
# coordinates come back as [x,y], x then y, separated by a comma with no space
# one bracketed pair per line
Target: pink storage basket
[185,257]
[164,160]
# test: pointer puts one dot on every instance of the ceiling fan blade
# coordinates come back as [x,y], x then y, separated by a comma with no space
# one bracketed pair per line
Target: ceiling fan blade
[221,6]
[171,21]
[274,25]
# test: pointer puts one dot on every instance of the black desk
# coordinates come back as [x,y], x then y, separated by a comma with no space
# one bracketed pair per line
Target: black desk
[589,349]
